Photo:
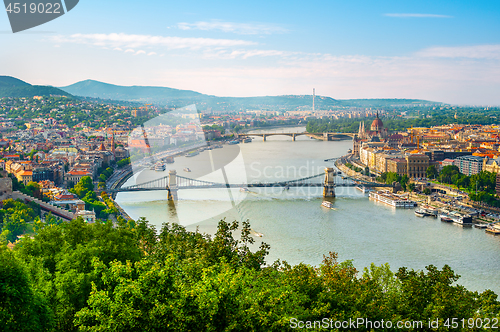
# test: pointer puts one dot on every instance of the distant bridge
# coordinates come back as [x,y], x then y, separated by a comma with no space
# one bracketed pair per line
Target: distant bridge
[173,182]
[321,136]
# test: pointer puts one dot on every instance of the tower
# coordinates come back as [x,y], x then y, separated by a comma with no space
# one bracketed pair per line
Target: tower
[113,143]
[314,96]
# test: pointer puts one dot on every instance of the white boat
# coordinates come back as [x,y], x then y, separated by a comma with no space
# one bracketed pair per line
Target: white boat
[429,210]
[187,169]
[444,218]
[160,167]
[247,140]
[244,190]
[419,213]
[457,218]
[328,205]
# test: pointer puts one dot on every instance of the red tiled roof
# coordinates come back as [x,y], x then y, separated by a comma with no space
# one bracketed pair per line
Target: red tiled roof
[78,173]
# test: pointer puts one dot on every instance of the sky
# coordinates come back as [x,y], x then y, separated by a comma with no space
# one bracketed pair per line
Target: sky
[446,51]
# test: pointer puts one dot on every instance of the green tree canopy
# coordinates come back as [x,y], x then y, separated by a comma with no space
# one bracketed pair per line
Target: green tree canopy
[83,186]
[21,307]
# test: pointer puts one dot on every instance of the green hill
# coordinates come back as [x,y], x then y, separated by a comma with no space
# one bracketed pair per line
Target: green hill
[13,87]
[178,98]
[96,89]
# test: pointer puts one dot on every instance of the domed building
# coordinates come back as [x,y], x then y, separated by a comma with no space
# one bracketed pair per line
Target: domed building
[377,129]
[376,133]
[377,125]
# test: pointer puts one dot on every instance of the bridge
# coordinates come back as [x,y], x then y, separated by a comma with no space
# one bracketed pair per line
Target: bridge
[320,136]
[173,182]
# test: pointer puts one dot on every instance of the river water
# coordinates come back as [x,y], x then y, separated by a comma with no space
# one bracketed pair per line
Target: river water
[295,224]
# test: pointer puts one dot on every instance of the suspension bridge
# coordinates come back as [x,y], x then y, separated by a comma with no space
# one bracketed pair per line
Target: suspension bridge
[173,182]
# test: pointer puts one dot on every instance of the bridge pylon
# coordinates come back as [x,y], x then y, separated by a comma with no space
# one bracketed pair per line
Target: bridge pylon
[329,185]
[172,185]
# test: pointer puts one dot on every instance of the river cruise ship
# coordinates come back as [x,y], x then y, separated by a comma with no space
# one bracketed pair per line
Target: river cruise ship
[394,200]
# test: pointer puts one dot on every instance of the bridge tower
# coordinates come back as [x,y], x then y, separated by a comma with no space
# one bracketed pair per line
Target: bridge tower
[172,185]
[329,185]
[264,137]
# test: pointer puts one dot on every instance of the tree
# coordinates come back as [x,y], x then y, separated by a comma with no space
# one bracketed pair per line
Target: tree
[447,172]
[427,191]
[432,295]
[431,172]
[411,187]
[392,177]
[404,181]
[59,261]
[21,308]
[83,186]
[34,189]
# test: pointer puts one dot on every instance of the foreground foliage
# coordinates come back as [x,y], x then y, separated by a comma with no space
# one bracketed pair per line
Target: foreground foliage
[128,277]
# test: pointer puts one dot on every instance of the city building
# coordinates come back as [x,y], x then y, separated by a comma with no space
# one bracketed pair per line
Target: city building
[469,165]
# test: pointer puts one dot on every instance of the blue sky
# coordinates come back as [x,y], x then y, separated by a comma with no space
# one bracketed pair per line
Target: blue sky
[445,51]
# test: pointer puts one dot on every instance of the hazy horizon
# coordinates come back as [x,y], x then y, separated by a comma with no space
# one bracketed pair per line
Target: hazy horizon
[446,51]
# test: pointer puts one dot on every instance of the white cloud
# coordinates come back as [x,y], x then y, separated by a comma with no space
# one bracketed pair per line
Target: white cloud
[343,77]
[472,52]
[460,74]
[405,15]
[239,28]
[245,54]
[133,41]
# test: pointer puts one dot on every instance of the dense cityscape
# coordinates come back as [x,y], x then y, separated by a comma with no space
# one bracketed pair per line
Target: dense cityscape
[62,157]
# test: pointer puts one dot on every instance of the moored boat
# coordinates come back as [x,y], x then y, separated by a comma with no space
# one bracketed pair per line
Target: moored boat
[396,201]
[457,218]
[445,218]
[492,230]
[186,169]
[160,167]
[419,213]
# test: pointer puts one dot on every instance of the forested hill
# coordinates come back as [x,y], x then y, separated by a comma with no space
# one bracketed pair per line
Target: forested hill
[178,98]
[13,87]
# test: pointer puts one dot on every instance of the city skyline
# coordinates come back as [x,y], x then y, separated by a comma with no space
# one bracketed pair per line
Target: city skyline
[446,51]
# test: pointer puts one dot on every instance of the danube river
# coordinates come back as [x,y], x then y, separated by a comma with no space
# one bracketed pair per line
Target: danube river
[295,224]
